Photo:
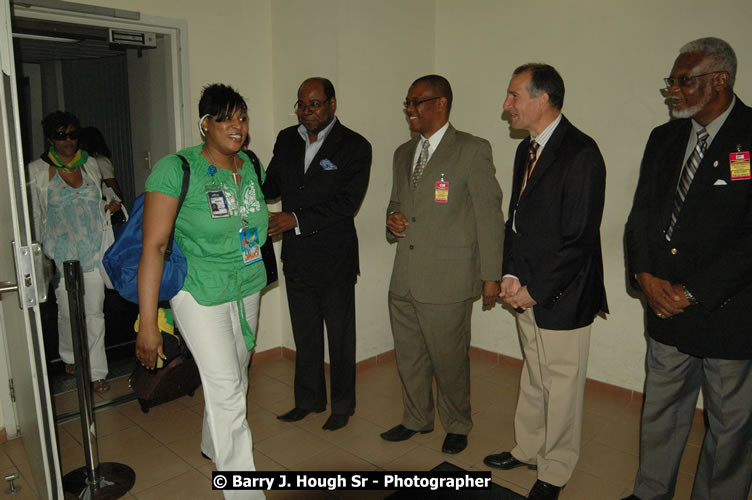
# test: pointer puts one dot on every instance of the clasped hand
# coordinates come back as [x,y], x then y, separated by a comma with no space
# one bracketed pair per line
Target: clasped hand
[664,298]
[515,295]
[279,222]
[396,223]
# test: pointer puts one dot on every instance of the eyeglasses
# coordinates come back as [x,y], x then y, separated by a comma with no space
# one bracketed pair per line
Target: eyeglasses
[301,107]
[417,102]
[73,135]
[685,80]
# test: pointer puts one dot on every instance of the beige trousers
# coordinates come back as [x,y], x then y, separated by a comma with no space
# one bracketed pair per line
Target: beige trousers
[548,420]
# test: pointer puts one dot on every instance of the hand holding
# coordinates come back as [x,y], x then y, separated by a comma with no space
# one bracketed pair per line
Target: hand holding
[521,300]
[683,301]
[149,345]
[664,298]
[280,222]
[396,223]
[491,291]
[113,206]
[509,287]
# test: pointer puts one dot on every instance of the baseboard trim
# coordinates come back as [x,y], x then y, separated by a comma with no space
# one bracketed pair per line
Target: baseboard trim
[361,366]
[630,396]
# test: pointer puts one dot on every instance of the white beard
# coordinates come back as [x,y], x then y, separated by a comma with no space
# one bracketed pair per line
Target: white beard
[692,111]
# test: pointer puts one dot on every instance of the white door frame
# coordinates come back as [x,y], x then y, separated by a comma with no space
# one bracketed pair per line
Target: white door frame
[178,40]
[176,31]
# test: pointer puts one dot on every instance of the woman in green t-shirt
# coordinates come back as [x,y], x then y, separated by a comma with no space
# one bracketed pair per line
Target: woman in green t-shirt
[220,229]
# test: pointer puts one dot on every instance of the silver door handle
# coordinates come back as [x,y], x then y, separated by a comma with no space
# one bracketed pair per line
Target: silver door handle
[7,286]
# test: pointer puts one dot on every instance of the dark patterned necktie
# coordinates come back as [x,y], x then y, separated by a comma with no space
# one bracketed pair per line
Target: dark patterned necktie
[688,174]
[532,152]
[422,161]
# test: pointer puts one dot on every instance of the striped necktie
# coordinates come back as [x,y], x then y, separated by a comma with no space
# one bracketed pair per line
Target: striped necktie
[688,174]
[422,161]
[532,153]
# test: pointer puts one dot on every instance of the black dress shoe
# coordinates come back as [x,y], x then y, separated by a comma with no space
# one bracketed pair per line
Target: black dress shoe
[506,461]
[296,414]
[335,422]
[454,443]
[400,433]
[542,490]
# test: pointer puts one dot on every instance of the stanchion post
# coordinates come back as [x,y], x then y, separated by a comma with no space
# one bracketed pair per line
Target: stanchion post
[95,481]
[74,285]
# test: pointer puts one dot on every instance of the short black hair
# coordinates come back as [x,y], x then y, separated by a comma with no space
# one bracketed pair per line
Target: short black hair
[440,85]
[220,101]
[92,141]
[544,78]
[59,119]
[328,87]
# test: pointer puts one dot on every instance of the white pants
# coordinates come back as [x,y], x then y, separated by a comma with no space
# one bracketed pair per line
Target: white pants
[213,335]
[94,314]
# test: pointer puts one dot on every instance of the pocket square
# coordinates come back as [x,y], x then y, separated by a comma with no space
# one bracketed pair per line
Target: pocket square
[720,182]
[327,165]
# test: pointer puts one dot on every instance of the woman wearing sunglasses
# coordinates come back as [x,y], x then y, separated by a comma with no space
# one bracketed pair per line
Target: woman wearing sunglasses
[69,219]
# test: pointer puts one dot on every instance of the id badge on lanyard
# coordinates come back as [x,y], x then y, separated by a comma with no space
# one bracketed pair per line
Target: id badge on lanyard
[739,165]
[215,195]
[249,244]
[441,193]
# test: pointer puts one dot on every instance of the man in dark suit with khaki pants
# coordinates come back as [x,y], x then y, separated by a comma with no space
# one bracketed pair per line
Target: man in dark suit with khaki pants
[445,213]
[689,249]
[552,275]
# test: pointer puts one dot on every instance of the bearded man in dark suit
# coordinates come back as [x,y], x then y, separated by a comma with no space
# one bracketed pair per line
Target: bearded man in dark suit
[689,249]
[320,169]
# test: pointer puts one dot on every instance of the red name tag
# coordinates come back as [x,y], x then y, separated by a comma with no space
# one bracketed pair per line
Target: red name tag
[739,166]
[442,192]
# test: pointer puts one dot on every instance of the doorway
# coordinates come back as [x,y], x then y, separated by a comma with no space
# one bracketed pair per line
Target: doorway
[158,124]
[121,89]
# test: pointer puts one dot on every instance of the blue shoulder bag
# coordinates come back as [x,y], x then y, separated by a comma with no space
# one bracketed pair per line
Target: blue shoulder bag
[121,259]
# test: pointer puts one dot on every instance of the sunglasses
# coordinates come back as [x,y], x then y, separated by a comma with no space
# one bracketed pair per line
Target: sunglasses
[62,135]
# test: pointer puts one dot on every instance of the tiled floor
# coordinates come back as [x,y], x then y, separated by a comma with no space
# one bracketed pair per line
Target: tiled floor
[163,445]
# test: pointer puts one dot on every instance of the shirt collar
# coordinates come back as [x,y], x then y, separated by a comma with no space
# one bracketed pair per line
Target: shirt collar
[321,135]
[713,127]
[435,139]
[544,136]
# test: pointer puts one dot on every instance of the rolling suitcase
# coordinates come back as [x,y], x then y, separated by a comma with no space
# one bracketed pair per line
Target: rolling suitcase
[177,377]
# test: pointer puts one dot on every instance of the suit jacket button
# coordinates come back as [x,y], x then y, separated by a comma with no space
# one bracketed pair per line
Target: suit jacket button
[674,251]
[413,219]
[301,187]
[412,247]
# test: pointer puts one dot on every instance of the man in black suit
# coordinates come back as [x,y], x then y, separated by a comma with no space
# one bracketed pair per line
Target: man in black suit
[689,249]
[552,275]
[320,169]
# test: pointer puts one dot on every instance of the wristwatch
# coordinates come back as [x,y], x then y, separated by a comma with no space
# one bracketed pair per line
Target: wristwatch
[691,298]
